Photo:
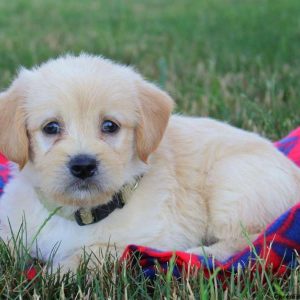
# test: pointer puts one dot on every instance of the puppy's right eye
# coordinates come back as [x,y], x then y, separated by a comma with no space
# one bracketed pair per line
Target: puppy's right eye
[52,128]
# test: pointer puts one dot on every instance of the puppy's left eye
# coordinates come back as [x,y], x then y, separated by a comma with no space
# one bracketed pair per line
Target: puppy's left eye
[109,127]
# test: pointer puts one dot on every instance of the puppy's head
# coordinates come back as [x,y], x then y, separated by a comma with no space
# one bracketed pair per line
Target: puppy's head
[86,124]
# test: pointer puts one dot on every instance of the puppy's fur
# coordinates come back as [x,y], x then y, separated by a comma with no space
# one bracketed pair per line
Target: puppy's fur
[203,182]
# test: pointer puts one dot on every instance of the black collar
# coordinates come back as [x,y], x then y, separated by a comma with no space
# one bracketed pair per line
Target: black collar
[87,216]
[98,213]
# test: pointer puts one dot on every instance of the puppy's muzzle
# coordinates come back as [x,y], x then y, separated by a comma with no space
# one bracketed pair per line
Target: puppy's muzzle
[83,166]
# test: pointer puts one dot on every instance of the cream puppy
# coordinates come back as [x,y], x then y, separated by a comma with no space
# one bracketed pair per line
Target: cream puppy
[87,132]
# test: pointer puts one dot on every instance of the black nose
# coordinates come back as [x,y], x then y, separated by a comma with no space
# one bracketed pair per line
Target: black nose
[83,166]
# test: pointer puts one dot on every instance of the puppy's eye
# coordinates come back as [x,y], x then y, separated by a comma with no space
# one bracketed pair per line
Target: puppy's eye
[109,127]
[52,128]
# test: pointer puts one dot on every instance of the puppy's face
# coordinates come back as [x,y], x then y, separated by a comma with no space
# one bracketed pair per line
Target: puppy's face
[86,124]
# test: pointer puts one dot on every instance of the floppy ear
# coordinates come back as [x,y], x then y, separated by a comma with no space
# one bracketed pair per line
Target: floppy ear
[155,110]
[14,142]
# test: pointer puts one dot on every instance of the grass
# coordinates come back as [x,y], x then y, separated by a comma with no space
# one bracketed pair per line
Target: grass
[116,280]
[233,60]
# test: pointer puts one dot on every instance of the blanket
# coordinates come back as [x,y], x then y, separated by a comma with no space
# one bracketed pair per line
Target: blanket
[277,245]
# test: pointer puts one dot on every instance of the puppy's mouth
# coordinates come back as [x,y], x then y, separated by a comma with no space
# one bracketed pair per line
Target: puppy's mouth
[87,192]
[90,186]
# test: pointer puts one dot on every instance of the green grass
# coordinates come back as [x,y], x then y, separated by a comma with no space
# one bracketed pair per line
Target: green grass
[235,60]
[115,280]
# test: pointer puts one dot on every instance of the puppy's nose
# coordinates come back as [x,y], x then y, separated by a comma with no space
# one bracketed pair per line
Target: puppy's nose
[83,166]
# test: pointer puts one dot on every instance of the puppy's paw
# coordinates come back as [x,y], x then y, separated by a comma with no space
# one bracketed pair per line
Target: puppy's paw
[217,253]
[201,250]
[90,259]
[67,265]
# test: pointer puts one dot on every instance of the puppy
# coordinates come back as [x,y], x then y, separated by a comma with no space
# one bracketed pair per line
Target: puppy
[103,163]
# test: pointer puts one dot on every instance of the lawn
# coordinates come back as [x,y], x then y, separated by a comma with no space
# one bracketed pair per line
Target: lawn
[234,60]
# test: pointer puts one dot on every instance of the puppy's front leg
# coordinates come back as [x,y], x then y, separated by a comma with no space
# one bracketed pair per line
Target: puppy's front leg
[93,255]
